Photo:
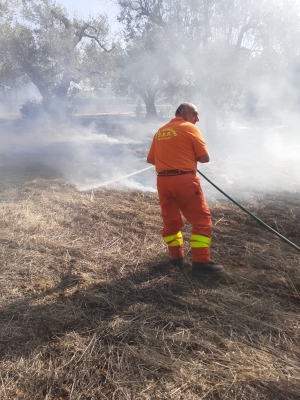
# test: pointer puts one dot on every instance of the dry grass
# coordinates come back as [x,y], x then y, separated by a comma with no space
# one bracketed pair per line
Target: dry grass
[92,309]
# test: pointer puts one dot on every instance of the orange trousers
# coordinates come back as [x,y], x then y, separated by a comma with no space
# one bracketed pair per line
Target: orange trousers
[183,194]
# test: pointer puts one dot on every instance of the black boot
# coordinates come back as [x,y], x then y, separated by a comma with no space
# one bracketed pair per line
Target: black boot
[199,269]
[178,262]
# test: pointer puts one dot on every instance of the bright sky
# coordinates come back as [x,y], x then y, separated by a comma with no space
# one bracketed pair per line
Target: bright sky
[86,7]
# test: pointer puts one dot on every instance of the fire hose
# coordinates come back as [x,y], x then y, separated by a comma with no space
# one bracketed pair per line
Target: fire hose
[251,215]
[226,195]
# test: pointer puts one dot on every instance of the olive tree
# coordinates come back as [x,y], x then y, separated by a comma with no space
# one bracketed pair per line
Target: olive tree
[48,47]
[146,68]
[8,70]
[223,42]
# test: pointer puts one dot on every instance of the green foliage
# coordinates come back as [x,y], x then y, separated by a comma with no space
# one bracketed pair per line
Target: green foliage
[216,48]
[210,52]
[49,48]
[31,109]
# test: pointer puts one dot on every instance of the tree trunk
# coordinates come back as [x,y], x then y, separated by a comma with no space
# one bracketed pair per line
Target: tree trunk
[63,87]
[59,103]
[53,105]
[149,99]
[38,82]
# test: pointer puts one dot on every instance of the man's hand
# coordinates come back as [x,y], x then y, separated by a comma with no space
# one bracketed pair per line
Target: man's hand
[150,161]
[203,159]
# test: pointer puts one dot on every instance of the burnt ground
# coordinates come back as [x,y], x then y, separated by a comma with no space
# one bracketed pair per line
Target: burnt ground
[92,309]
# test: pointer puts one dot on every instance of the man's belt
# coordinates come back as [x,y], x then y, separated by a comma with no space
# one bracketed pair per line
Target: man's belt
[173,172]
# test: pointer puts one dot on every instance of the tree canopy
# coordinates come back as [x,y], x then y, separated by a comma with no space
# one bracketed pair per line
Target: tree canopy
[213,52]
[49,48]
[225,44]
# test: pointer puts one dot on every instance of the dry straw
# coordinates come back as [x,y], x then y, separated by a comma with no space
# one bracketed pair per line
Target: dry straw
[92,309]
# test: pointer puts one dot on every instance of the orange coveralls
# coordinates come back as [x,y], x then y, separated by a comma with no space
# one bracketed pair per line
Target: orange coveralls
[175,148]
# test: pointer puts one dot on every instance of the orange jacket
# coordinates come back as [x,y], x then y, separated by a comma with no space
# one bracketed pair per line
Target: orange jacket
[177,145]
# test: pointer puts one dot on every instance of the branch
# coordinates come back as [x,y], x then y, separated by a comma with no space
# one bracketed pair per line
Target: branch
[241,34]
[243,30]
[62,19]
[141,9]
[156,18]
[99,43]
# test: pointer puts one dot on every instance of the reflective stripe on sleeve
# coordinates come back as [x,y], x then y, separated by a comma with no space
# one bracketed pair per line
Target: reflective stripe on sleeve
[197,241]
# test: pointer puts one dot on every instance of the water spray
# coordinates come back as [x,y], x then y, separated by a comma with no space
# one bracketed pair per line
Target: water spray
[119,179]
[125,176]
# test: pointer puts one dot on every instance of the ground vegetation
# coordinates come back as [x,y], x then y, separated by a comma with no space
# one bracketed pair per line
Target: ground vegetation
[91,307]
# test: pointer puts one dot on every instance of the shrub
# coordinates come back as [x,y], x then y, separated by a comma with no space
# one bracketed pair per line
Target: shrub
[31,109]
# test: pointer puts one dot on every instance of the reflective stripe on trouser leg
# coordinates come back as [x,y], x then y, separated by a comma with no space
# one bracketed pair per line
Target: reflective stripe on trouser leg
[175,245]
[200,246]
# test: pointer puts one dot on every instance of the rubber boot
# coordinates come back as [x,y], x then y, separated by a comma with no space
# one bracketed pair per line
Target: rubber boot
[178,262]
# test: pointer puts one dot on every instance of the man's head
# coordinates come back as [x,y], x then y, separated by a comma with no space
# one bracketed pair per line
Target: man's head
[188,111]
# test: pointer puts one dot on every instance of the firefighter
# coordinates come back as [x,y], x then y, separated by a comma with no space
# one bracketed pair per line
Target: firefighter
[175,150]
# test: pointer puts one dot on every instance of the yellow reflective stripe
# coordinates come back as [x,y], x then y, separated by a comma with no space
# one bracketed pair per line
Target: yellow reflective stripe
[177,242]
[198,244]
[200,238]
[177,235]
[197,241]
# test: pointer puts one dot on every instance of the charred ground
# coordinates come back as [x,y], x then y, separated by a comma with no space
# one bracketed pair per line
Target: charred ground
[92,309]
